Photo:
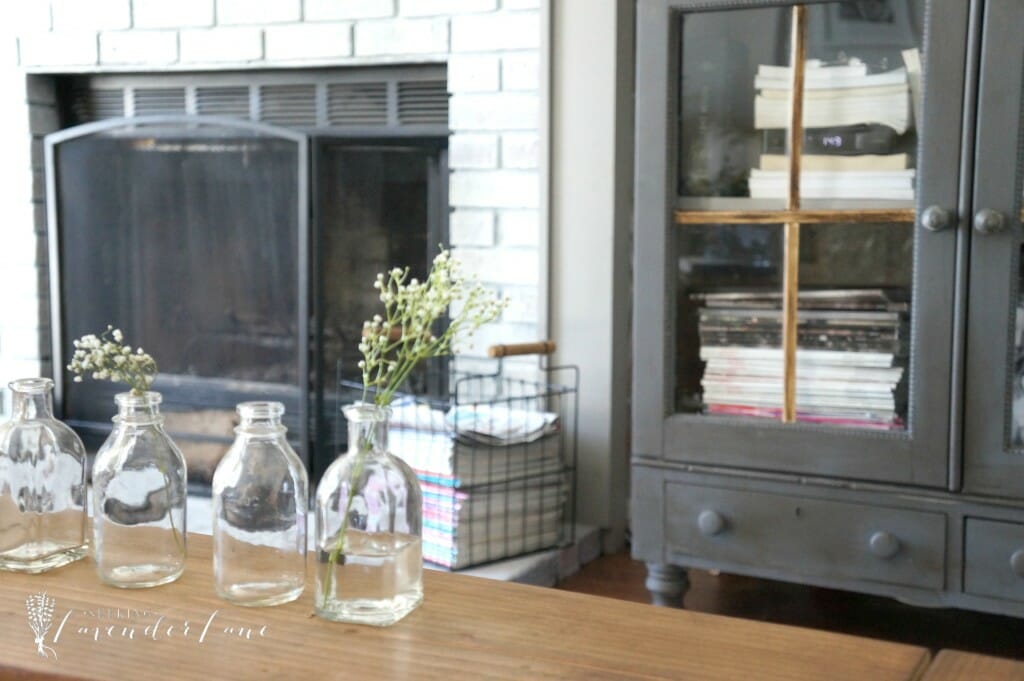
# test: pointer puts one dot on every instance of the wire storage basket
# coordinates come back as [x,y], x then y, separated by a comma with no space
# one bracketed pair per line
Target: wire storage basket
[494,451]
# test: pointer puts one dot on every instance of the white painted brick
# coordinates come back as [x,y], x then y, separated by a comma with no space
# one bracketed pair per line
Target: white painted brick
[500,111]
[519,228]
[519,150]
[58,49]
[234,44]
[20,368]
[499,31]
[520,4]
[520,71]
[493,189]
[401,36]
[266,12]
[138,47]
[332,10]
[172,13]
[423,8]
[23,287]
[471,228]
[78,15]
[522,304]
[474,73]
[21,248]
[500,265]
[26,17]
[20,343]
[309,41]
[473,151]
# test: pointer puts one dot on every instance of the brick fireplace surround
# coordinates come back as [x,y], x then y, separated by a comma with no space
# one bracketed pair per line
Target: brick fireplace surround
[491,48]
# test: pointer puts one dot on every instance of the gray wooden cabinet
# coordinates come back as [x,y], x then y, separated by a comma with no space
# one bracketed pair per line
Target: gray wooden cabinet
[905,481]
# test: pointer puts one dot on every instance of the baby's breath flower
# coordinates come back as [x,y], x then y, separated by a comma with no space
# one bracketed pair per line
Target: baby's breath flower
[106,358]
[395,342]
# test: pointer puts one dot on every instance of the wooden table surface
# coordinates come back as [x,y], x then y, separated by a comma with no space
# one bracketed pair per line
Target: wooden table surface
[467,627]
[954,665]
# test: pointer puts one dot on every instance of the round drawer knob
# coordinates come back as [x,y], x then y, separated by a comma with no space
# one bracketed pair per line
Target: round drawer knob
[710,523]
[988,221]
[936,218]
[884,544]
[1017,562]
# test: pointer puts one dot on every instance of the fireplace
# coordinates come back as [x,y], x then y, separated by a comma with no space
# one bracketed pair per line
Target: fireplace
[232,225]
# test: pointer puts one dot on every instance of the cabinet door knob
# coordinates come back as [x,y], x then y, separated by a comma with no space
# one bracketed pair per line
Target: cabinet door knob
[710,523]
[988,221]
[936,218]
[883,544]
[1017,562]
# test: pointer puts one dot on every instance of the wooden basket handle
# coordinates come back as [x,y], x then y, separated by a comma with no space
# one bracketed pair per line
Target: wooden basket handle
[545,347]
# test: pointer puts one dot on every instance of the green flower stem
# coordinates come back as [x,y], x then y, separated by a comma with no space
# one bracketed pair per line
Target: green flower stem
[339,546]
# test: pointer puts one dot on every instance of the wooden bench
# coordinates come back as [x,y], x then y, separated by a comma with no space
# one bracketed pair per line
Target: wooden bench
[467,627]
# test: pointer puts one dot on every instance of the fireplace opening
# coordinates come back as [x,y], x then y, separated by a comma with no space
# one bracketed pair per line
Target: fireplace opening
[240,254]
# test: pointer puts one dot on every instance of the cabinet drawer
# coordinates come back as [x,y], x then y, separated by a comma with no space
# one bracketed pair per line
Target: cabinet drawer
[813,537]
[994,559]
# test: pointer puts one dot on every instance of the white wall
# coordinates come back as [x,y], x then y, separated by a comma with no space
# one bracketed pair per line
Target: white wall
[591,181]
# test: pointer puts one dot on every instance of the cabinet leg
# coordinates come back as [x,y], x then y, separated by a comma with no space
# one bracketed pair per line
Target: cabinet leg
[667,584]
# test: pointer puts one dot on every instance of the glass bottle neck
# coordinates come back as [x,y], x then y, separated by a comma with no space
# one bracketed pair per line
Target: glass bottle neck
[367,428]
[32,398]
[260,420]
[138,410]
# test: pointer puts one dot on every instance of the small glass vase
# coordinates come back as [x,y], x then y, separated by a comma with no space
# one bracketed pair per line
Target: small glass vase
[368,529]
[139,495]
[260,495]
[42,484]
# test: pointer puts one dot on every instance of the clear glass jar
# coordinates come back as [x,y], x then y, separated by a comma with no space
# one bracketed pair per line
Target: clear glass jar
[368,529]
[260,495]
[42,484]
[139,495]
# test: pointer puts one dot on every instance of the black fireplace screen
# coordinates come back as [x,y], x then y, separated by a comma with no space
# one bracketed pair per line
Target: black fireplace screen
[194,237]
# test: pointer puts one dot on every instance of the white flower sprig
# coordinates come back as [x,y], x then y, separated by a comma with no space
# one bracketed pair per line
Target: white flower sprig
[394,343]
[107,358]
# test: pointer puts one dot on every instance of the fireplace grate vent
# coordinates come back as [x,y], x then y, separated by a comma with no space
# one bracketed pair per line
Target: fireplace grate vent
[288,105]
[223,101]
[97,104]
[413,98]
[357,104]
[421,103]
[158,100]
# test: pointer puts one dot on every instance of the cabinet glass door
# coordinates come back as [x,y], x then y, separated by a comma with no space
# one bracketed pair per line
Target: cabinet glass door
[994,393]
[837,228]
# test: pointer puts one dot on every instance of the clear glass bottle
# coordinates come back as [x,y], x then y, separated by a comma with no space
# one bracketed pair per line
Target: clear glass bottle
[139,495]
[260,495]
[42,484]
[368,529]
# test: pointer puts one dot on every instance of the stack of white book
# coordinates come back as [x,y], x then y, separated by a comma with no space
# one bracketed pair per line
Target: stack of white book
[848,114]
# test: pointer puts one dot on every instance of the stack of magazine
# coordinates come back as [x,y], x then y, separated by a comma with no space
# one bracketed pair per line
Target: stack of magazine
[852,348]
[854,131]
[493,479]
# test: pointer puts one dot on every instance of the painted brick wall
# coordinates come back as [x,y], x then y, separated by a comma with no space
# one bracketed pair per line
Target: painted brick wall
[491,47]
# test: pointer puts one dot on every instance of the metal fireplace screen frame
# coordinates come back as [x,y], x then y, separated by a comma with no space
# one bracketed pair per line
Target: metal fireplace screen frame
[196,125]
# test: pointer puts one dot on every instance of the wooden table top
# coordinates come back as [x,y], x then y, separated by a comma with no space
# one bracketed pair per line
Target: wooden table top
[467,627]
[954,665]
